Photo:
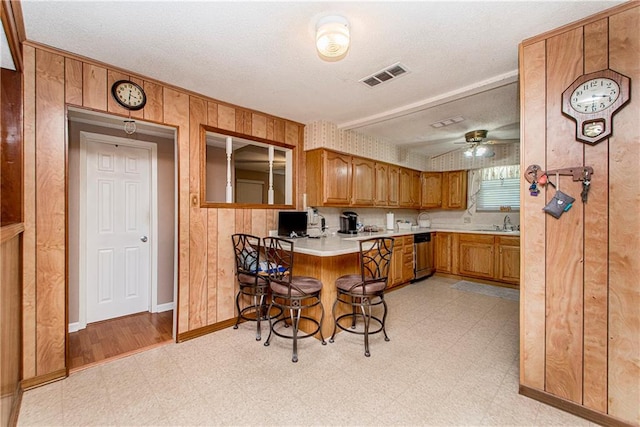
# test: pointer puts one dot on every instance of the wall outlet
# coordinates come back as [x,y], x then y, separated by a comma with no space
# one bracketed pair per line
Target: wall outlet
[467,220]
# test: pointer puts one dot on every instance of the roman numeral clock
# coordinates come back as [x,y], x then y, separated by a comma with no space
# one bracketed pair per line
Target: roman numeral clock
[592,100]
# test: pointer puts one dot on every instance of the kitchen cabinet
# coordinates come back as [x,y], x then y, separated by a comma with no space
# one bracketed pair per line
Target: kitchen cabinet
[363,186]
[476,255]
[382,184]
[430,190]
[333,173]
[409,188]
[454,190]
[508,259]
[393,191]
[444,252]
[401,269]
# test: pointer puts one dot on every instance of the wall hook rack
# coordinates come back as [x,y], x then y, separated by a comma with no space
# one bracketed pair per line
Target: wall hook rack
[578,173]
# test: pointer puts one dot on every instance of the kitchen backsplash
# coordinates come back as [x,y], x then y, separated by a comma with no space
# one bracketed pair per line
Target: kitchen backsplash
[324,134]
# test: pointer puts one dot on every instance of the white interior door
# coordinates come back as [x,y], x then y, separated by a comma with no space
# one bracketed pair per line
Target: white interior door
[118,226]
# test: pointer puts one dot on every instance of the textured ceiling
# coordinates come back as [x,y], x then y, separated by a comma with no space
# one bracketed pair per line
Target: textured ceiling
[462,57]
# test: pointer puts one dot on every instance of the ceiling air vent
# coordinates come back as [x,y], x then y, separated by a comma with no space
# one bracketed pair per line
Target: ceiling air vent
[388,74]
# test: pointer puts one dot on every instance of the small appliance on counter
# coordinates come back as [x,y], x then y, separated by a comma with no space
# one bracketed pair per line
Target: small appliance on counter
[348,223]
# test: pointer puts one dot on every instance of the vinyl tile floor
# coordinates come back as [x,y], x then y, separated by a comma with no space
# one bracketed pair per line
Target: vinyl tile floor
[452,361]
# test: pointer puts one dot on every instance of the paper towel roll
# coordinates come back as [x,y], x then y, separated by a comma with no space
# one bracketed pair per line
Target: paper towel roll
[390,221]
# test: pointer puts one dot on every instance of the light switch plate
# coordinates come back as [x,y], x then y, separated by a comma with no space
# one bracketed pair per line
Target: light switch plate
[467,220]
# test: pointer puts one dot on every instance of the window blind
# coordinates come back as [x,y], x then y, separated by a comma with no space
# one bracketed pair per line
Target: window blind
[499,187]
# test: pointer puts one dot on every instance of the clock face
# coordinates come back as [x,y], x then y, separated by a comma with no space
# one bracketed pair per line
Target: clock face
[595,95]
[129,95]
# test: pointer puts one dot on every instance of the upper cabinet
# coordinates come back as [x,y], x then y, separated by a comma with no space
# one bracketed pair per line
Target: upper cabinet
[329,178]
[363,185]
[454,190]
[409,188]
[431,190]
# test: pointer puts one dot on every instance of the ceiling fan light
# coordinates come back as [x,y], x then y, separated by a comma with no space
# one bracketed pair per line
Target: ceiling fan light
[481,151]
[468,152]
[332,38]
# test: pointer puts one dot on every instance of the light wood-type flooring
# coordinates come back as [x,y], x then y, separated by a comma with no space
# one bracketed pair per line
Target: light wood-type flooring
[118,337]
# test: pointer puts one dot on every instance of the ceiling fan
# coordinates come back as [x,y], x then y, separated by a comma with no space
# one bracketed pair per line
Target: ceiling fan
[477,146]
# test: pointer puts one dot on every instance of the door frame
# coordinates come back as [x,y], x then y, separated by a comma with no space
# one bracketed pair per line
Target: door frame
[153,220]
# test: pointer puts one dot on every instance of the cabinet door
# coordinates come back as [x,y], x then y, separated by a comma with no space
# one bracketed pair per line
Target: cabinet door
[364,180]
[393,196]
[431,190]
[476,255]
[382,184]
[409,188]
[397,261]
[443,252]
[337,179]
[454,190]
[508,259]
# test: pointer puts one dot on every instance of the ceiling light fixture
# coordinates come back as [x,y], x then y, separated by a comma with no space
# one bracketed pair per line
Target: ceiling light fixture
[332,38]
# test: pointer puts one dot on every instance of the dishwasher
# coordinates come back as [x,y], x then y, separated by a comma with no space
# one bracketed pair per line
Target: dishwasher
[423,264]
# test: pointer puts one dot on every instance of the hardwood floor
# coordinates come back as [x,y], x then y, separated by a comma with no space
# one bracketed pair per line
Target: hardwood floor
[118,337]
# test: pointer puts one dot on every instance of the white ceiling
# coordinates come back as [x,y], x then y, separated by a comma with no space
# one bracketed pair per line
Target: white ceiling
[462,57]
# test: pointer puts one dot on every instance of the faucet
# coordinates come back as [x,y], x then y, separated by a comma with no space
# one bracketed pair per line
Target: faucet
[506,224]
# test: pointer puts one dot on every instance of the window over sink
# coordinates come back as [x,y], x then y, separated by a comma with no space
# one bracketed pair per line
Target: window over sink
[495,189]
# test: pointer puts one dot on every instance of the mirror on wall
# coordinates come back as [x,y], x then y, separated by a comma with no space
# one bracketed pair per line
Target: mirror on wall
[243,170]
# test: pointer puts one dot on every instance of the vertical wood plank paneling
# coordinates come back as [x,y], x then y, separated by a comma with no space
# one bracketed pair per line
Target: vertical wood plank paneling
[226,117]
[212,114]
[291,135]
[176,113]
[564,274]
[197,221]
[154,109]
[50,199]
[212,266]
[624,226]
[532,286]
[112,105]
[29,296]
[596,242]
[259,125]
[94,87]
[226,262]
[259,222]
[73,81]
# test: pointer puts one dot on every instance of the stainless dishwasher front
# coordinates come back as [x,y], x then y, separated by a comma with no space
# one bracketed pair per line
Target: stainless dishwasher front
[423,264]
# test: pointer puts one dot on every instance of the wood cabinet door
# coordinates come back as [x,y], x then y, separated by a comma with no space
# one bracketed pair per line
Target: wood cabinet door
[476,255]
[397,260]
[382,184]
[431,190]
[454,190]
[409,188]
[337,179]
[443,252]
[364,179]
[393,195]
[508,259]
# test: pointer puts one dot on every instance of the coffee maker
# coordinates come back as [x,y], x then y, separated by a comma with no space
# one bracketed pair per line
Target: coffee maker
[348,223]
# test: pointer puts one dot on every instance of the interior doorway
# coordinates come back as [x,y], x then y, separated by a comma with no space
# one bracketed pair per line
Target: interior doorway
[122,227]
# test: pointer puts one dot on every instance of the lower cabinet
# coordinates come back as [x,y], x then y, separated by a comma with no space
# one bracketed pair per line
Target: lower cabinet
[401,270]
[508,259]
[476,255]
[483,256]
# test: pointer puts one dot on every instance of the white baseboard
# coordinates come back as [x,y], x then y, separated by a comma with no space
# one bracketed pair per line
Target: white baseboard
[74,327]
[164,307]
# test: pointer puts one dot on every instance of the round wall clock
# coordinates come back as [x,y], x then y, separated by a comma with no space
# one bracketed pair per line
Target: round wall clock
[592,100]
[129,94]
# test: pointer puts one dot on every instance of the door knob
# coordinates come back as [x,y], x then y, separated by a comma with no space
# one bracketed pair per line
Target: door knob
[144,238]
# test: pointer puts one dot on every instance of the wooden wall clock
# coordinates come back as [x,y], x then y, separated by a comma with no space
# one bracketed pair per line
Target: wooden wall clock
[592,100]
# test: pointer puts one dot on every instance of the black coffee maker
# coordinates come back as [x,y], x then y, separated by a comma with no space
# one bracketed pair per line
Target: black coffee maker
[348,223]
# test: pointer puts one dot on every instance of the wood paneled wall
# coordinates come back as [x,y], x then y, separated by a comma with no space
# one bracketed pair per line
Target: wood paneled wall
[580,295]
[54,80]
[11,147]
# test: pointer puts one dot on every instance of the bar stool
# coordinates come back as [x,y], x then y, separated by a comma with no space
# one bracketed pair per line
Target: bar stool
[361,292]
[292,294]
[251,283]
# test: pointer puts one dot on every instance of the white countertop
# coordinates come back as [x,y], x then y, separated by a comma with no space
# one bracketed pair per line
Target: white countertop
[346,244]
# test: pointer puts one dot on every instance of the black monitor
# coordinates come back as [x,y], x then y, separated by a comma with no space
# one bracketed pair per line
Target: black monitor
[292,223]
